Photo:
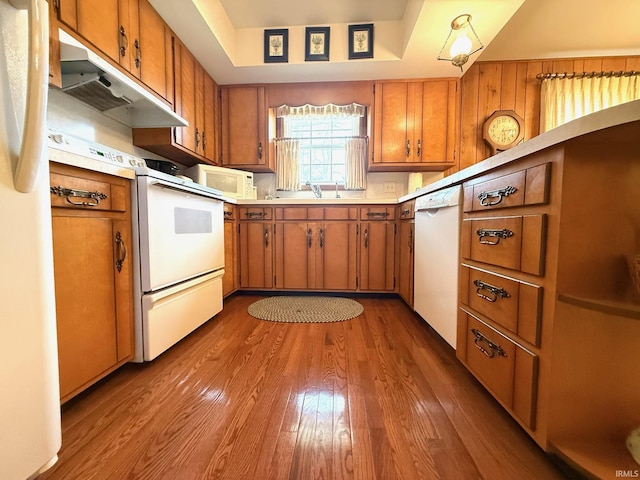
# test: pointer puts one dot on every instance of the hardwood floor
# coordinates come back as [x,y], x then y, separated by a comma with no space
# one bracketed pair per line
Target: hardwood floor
[377,397]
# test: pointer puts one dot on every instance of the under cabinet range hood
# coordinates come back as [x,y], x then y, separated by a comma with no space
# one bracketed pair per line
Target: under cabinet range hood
[95,82]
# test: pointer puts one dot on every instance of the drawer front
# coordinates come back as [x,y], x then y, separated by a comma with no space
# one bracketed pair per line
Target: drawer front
[526,187]
[255,213]
[407,210]
[515,305]
[506,369]
[229,211]
[68,191]
[516,242]
[377,213]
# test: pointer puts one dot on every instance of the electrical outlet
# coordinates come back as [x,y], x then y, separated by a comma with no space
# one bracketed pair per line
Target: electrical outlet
[389,187]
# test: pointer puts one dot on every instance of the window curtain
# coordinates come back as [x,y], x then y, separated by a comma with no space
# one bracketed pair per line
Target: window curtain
[287,149]
[328,110]
[287,165]
[565,98]
[355,164]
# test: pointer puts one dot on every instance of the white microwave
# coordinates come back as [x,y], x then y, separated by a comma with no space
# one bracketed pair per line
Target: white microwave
[232,183]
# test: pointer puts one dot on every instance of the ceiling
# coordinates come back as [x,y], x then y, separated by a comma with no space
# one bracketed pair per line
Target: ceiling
[226,36]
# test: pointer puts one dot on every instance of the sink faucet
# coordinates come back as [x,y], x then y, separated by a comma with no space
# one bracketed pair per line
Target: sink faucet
[317,191]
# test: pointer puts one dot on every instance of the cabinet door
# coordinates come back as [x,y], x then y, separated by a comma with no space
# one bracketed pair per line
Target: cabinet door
[437,136]
[153,58]
[256,247]
[294,253]
[405,261]
[244,128]
[337,245]
[185,72]
[230,279]
[83,254]
[377,248]
[209,136]
[390,127]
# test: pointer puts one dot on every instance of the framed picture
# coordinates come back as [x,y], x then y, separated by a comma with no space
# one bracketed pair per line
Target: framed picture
[276,46]
[361,41]
[316,44]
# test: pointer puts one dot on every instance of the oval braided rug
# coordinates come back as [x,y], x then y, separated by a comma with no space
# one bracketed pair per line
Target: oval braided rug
[305,309]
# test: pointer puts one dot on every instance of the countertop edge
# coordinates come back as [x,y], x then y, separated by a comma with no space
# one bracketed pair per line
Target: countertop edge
[610,117]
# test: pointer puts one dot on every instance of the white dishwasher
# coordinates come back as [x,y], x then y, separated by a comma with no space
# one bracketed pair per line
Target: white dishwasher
[436,260]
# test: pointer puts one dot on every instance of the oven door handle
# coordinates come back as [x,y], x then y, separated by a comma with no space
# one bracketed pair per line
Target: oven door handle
[182,188]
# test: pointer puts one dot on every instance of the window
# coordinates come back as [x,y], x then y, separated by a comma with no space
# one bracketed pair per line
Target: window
[322,142]
[322,145]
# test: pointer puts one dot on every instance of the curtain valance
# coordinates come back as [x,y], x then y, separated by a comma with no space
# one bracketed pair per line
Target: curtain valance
[328,110]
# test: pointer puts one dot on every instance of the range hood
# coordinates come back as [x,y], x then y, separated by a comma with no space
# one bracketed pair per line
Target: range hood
[94,81]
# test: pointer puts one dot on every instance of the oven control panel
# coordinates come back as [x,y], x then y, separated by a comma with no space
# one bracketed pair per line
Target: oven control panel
[68,143]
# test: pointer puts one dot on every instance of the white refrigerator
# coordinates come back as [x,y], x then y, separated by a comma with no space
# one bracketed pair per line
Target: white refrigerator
[30,434]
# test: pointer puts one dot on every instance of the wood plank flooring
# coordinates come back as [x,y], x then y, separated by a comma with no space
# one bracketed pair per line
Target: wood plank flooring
[377,397]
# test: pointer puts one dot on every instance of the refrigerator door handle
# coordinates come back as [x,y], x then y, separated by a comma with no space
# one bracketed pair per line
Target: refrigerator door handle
[33,134]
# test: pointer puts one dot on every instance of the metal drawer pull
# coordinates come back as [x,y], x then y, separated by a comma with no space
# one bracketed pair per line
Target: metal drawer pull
[366,238]
[493,348]
[494,292]
[321,238]
[138,59]
[488,236]
[260,150]
[124,42]
[253,215]
[228,215]
[495,194]
[378,214]
[404,213]
[419,152]
[121,251]
[266,237]
[408,148]
[309,236]
[69,193]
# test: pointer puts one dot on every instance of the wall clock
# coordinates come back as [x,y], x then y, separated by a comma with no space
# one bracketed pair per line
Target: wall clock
[503,129]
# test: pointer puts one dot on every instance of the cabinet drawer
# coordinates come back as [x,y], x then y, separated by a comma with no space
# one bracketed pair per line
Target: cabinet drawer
[377,213]
[507,370]
[70,191]
[516,242]
[229,210]
[407,210]
[515,305]
[256,213]
[526,187]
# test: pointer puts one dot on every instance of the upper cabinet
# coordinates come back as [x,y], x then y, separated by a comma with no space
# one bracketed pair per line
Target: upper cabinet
[244,129]
[414,125]
[130,33]
[195,101]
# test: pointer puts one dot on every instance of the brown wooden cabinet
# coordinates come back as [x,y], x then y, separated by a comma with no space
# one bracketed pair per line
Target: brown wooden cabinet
[130,33]
[404,253]
[319,253]
[244,129]
[377,248]
[195,101]
[414,125]
[93,276]
[256,247]
[230,278]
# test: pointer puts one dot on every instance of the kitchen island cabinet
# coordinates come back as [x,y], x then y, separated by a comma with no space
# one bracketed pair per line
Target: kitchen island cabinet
[547,322]
[93,275]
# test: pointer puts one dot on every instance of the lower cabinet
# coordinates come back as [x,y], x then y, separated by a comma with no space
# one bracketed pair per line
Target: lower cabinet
[404,252]
[377,249]
[230,278]
[316,255]
[91,222]
[256,247]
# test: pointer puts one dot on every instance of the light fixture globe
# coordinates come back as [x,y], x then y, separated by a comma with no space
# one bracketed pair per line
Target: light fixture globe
[462,41]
